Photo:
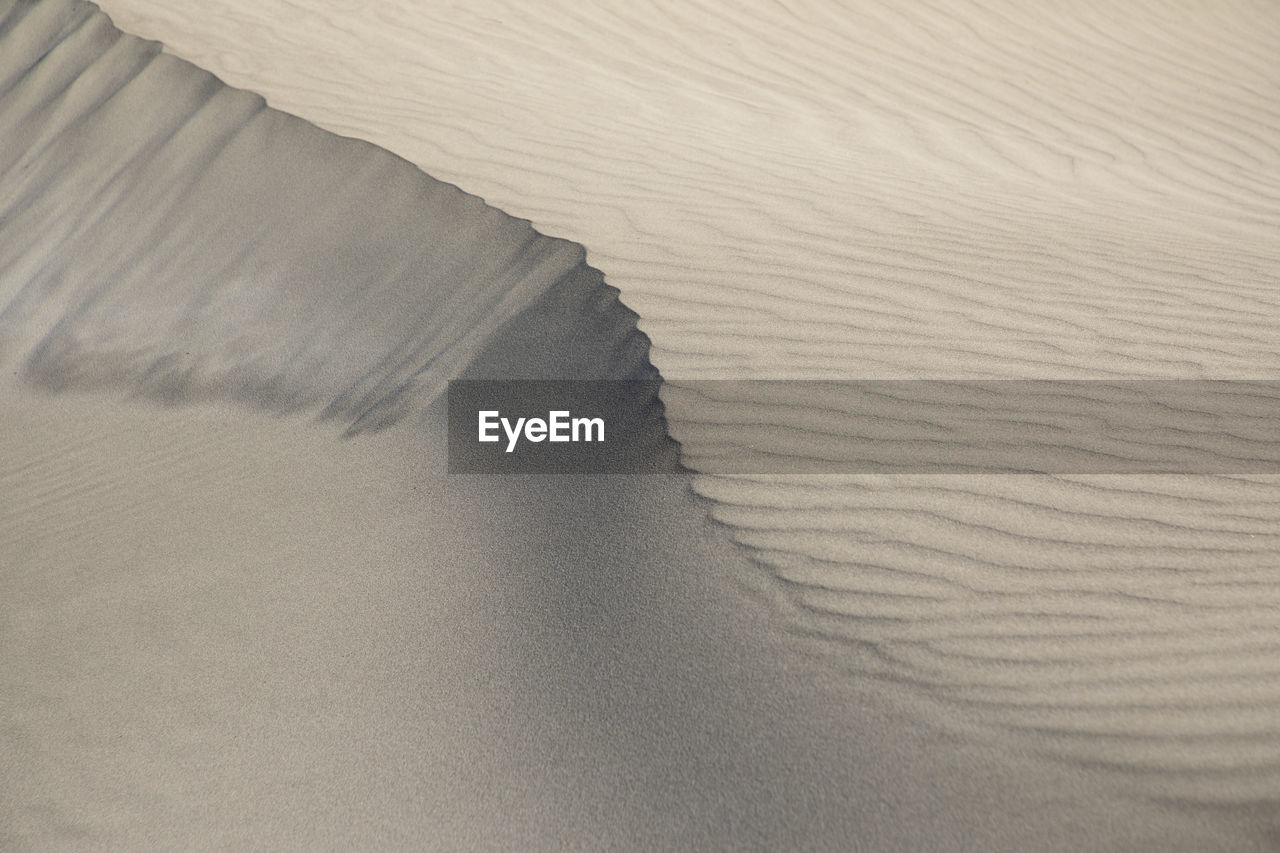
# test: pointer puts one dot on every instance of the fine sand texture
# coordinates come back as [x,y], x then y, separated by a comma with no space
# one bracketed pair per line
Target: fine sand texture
[242,604]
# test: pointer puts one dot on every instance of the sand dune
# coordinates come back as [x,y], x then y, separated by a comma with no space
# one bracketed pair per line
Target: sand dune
[837,191]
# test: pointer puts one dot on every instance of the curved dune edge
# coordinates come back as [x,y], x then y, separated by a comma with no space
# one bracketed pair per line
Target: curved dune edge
[174,237]
[73,333]
[870,190]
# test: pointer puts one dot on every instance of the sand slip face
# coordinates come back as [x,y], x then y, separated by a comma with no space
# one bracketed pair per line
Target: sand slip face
[891,200]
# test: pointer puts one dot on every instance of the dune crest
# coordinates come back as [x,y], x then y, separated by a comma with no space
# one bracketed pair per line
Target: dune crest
[172,236]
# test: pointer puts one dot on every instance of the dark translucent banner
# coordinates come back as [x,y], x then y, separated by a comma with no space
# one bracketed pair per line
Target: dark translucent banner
[558,427]
[871,426]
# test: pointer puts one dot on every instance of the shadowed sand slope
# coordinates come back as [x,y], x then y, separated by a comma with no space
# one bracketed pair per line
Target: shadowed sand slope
[165,232]
[222,625]
[982,189]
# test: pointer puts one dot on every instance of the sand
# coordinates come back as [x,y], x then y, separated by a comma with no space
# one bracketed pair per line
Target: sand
[281,637]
